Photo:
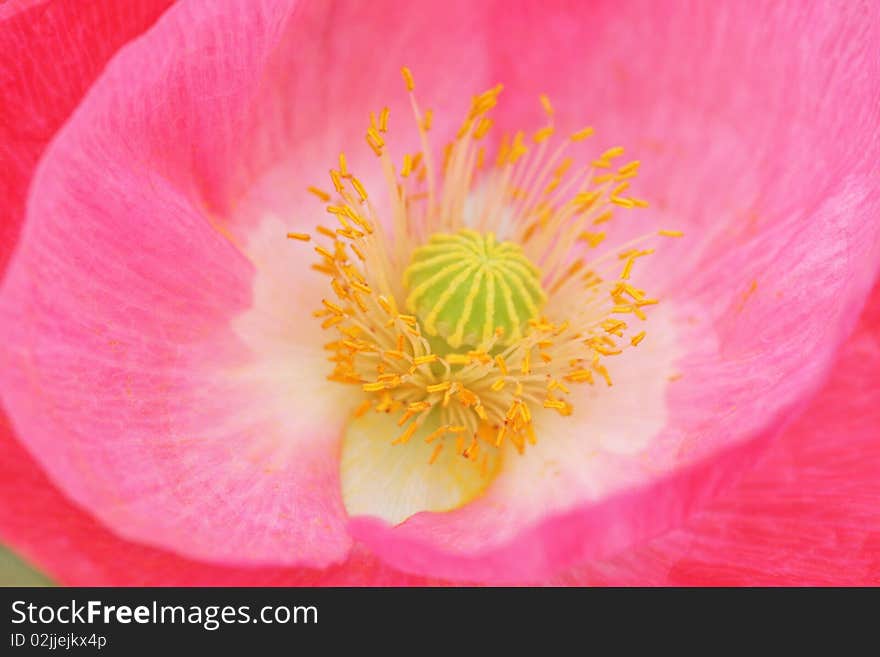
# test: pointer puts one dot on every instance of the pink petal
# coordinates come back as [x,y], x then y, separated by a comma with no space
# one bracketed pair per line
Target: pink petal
[49,54]
[156,359]
[808,514]
[125,375]
[70,545]
[218,184]
[757,127]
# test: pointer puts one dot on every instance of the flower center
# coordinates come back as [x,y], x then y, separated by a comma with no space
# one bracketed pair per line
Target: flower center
[465,337]
[466,287]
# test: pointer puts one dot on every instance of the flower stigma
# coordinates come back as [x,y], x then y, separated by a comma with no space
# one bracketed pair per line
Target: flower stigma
[474,302]
[465,287]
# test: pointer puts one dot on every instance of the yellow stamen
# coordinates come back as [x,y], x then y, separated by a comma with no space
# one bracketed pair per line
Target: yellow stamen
[461,364]
[437,449]
[321,194]
[580,135]
[362,193]
[406,435]
[408,79]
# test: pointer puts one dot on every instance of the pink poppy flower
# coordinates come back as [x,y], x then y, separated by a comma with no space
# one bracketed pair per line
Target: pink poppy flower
[550,361]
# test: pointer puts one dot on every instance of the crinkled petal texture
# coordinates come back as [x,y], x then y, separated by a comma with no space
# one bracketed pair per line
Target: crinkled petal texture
[808,513]
[156,358]
[756,125]
[67,543]
[50,52]
[148,316]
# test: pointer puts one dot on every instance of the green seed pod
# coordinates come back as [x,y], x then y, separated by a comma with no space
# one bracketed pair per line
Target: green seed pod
[463,287]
